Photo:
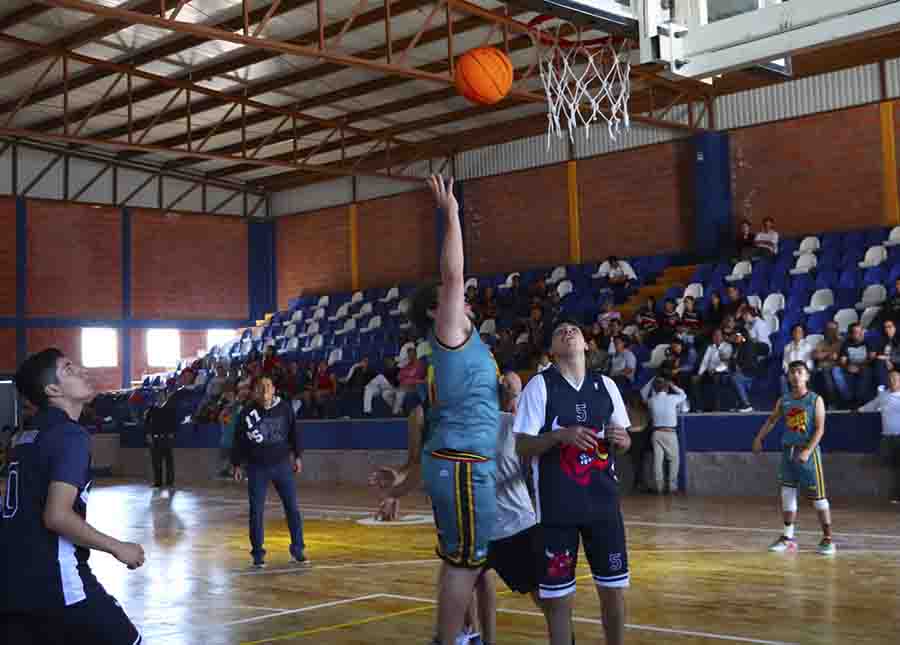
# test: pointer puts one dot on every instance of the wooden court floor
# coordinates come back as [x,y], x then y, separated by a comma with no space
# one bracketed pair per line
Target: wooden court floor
[699,566]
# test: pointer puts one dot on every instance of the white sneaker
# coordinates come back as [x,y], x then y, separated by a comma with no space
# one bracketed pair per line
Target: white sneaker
[749,408]
[468,638]
[783,545]
[826,547]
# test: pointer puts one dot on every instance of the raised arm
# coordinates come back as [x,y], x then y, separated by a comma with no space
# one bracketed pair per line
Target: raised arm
[452,325]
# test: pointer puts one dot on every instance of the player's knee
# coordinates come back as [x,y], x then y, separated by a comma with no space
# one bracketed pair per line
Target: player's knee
[821,504]
[789,499]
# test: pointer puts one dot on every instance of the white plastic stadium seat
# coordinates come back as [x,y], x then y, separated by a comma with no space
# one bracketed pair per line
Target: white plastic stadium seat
[754,302]
[508,282]
[471,282]
[365,310]
[657,356]
[844,318]
[342,312]
[423,349]
[868,316]
[356,297]
[335,356]
[523,338]
[392,294]
[564,288]
[773,322]
[349,325]
[740,271]
[290,331]
[893,238]
[297,316]
[401,356]
[316,343]
[319,314]
[401,309]
[292,345]
[808,245]
[489,326]
[374,323]
[324,301]
[246,346]
[805,263]
[773,303]
[311,330]
[874,256]
[872,296]
[694,290]
[821,300]
[559,273]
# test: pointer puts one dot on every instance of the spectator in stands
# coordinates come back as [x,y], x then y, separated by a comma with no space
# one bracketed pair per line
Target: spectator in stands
[729,328]
[680,363]
[472,295]
[619,275]
[766,241]
[354,385]
[891,308]
[799,349]
[668,323]
[713,374]
[487,304]
[664,400]
[888,403]
[826,357]
[543,362]
[409,379]
[324,389]
[228,417]
[691,322]
[505,350]
[715,312]
[743,367]
[535,328]
[216,384]
[647,321]
[596,358]
[383,385]
[551,306]
[607,314]
[757,328]
[745,244]
[887,353]
[270,360]
[736,302]
[622,364]
[853,376]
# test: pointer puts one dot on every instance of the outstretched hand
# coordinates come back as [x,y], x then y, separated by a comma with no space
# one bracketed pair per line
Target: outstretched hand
[443,193]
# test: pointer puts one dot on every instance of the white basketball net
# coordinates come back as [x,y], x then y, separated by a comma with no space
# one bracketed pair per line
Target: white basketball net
[584,83]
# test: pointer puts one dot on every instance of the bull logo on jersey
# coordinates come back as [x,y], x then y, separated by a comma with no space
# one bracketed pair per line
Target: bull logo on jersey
[579,465]
[559,565]
[796,420]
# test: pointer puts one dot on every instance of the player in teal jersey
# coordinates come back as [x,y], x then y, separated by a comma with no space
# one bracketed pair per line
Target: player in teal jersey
[458,457]
[801,460]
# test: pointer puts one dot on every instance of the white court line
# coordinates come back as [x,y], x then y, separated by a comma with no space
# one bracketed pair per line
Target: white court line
[329,567]
[594,621]
[718,527]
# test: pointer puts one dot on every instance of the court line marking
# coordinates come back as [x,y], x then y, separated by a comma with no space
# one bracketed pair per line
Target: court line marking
[331,567]
[594,621]
[719,527]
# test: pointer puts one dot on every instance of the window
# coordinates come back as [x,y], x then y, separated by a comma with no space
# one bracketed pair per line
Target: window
[218,337]
[99,347]
[163,347]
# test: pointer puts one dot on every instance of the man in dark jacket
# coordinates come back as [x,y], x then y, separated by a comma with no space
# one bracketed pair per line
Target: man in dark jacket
[745,365]
[266,439]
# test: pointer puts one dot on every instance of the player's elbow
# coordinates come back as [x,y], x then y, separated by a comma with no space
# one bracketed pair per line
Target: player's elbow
[54,519]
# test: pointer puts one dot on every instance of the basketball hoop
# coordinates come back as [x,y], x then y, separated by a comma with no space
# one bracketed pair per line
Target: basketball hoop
[585,80]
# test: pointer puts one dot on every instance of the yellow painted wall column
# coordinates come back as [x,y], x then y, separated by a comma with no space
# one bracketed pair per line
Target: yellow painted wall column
[889,165]
[353,215]
[574,214]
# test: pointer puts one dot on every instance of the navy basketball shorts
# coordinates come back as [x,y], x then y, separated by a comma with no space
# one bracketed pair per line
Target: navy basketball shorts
[604,546]
[98,620]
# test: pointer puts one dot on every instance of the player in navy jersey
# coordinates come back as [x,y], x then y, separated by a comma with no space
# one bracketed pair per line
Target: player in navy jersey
[569,423]
[48,595]
[458,459]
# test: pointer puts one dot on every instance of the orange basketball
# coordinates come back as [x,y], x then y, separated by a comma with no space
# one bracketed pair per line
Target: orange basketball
[484,75]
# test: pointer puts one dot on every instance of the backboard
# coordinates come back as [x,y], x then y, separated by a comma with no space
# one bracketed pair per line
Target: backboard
[705,38]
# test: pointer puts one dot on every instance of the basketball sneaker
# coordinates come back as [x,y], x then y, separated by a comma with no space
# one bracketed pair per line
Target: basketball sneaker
[259,564]
[783,545]
[826,547]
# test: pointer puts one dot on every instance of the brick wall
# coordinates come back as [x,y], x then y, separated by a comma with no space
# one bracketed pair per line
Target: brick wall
[637,202]
[815,174]
[8,257]
[397,240]
[68,341]
[7,350]
[74,264]
[188,266]
[192,342]
[313,253]
[517,221]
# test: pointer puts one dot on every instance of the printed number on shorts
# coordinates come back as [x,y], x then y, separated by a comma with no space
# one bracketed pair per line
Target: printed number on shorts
[11,500]
[615,561]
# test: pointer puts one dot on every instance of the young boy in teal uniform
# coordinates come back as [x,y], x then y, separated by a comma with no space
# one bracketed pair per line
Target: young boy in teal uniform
[801,460]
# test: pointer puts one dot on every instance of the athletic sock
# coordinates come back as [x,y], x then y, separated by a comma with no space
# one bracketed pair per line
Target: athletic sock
[789,531]
[826,531]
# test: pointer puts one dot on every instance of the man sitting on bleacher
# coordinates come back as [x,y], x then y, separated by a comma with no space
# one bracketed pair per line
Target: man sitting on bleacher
[853,376]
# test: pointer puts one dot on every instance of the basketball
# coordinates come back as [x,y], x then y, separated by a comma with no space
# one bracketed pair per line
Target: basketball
[484,75]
